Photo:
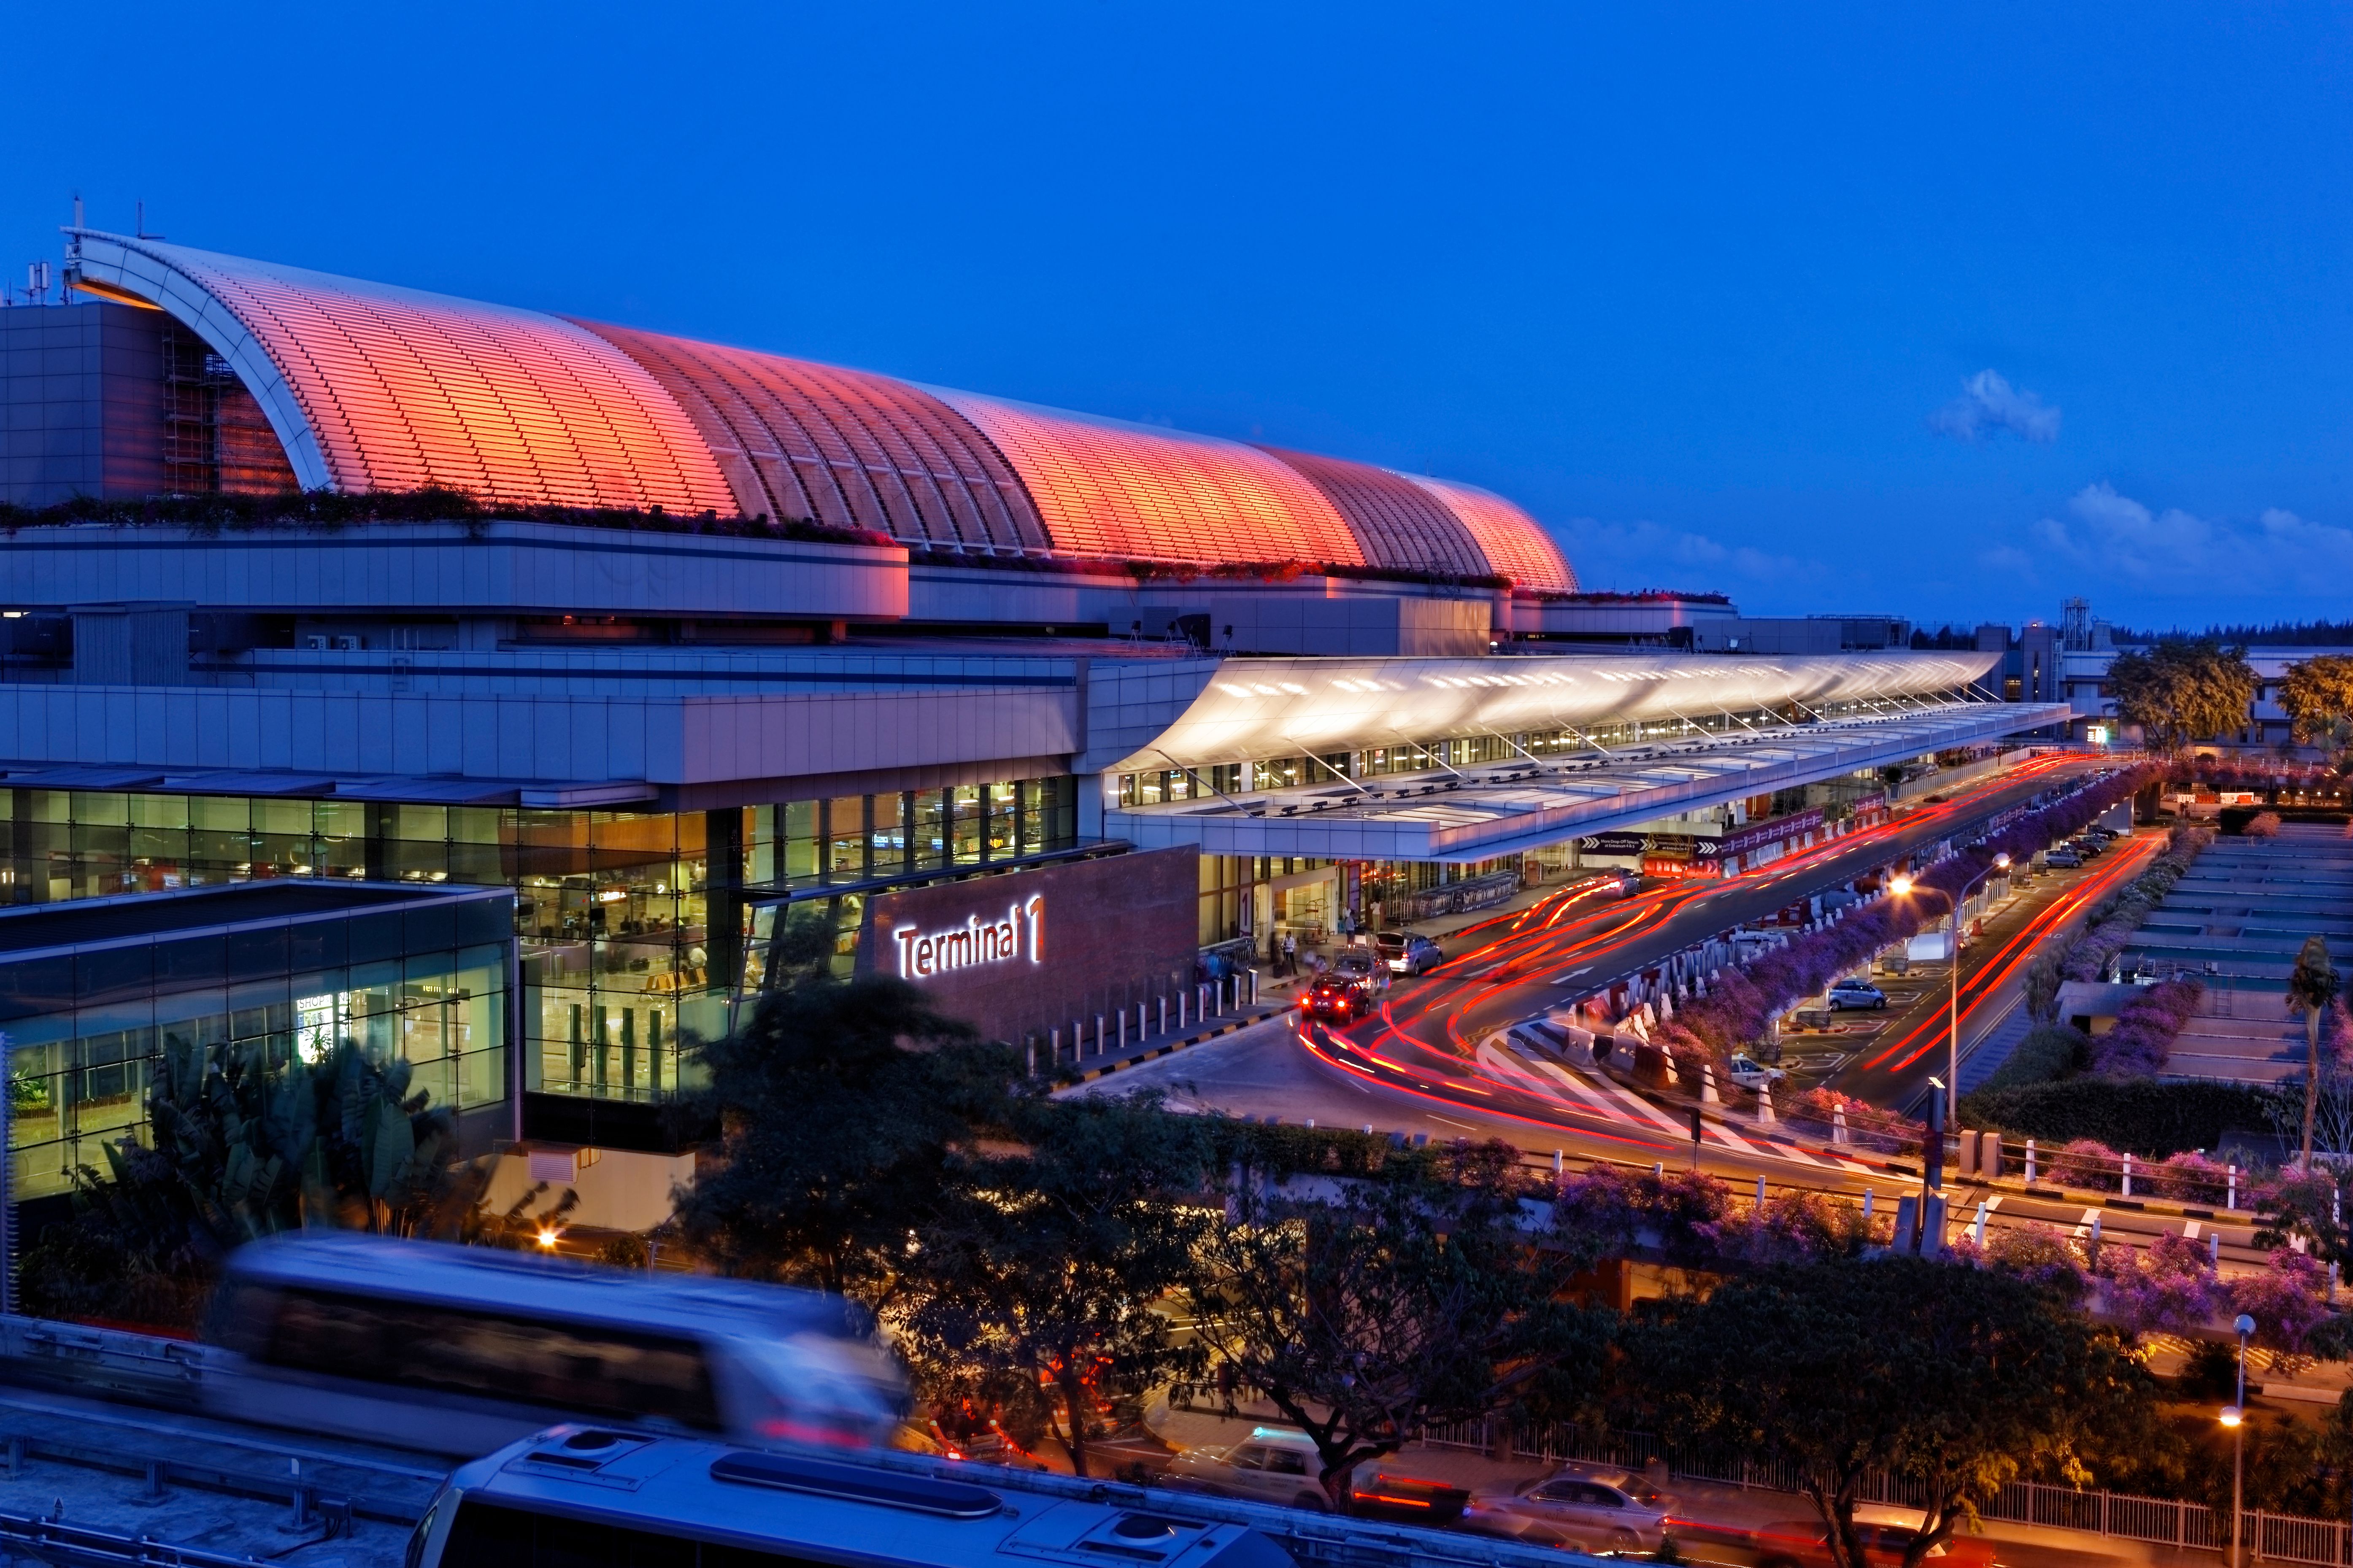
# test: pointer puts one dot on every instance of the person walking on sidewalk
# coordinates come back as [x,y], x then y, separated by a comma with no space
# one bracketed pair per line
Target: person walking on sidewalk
[1290,954]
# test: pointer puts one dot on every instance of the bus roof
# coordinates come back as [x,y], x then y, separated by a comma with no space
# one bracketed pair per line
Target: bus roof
[483,1277]
[828,1510]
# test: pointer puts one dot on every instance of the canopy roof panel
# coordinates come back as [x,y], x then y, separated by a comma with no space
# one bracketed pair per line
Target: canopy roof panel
[1258,708]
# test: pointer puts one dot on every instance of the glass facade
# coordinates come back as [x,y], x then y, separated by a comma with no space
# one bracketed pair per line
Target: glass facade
[819,861]
[87,1024]
[631,924]
[1255,895]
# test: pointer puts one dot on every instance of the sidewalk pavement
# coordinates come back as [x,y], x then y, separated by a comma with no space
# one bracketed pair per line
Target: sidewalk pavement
[1713,1503]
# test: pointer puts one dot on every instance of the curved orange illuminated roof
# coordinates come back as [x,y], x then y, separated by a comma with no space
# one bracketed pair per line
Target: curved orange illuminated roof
[798,440]
[1397,523]
[397,389]
[374,387]
[1515,544]
[1140,492]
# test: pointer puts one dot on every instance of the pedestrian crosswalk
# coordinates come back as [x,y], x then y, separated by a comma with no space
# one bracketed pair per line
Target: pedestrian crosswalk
[1594,1094]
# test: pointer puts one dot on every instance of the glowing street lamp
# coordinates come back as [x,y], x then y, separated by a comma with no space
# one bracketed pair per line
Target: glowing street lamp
[2234,1416]
[1902,888]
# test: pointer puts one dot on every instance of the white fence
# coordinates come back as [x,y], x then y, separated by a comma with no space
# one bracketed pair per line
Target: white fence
[2269,1536]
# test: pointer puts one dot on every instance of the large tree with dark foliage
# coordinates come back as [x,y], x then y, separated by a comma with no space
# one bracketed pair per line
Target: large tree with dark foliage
[2317,698]
[847,1107]
[2183,691]
[1040,1282]
[1948,1377]
[1364,1308]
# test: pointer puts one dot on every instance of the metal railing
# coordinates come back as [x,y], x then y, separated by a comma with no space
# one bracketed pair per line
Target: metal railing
[2273,1537]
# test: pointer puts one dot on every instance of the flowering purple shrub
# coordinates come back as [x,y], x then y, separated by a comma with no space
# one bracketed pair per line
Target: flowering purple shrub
[2192,1178]
[1611,1206]
[2285,1301]
[2145,1030]
[1812,1112]
[2041,1254]
[1796,1227]
[2164,1290]
[2083,1162]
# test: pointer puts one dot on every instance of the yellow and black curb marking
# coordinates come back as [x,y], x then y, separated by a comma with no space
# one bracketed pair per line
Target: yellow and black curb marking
[1173,1047]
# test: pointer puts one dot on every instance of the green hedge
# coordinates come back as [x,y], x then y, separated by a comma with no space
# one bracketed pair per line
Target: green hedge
[2049,1052]
[2138,1115]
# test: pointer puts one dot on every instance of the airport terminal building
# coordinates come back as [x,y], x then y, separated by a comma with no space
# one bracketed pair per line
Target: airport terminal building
[1031,707]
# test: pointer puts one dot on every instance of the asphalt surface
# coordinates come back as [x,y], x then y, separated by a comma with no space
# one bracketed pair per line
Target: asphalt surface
[1423,1064]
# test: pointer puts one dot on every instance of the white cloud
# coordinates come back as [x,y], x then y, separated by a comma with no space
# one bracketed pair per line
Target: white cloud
[2175,552]
[1989,406]
[1630,557]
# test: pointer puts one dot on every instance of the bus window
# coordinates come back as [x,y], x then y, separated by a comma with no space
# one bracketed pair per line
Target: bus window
[241,1319]
[490,1535]
[586,1368]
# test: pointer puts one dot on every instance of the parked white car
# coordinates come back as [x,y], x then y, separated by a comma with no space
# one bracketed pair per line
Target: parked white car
[1272,1464]
[1583,1508]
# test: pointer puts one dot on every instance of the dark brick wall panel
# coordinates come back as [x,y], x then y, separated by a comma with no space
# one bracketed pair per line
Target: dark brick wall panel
[1118,931]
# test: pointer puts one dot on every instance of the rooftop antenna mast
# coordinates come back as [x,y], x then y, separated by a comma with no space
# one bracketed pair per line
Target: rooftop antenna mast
[2075,624]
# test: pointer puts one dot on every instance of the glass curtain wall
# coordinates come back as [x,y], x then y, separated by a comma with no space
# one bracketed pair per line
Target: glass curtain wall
[94,1030]
[630,923]
[828,856]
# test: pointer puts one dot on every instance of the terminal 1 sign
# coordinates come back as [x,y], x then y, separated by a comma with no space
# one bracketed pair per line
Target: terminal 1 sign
[1021,935]
[1126,931]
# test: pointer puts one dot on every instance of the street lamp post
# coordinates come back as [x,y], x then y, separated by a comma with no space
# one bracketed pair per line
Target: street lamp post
[1902,886]
[2234,1416]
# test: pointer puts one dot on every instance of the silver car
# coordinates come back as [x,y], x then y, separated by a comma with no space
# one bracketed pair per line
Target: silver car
[1272,1464]
[1582,1509]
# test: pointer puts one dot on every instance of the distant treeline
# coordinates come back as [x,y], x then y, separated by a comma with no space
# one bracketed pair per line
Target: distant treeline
[2279,634]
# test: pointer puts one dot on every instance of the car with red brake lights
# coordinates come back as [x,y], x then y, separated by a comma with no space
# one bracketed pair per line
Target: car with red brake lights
[1885,1532]
[1336,999]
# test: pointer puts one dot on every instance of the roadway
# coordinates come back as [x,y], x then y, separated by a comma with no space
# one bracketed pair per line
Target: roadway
[1578,943]
[1425,1064]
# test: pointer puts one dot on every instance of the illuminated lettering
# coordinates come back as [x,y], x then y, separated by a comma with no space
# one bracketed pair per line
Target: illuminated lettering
[1019,934]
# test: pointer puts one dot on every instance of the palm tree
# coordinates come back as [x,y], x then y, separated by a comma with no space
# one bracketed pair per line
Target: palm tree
[2311,987]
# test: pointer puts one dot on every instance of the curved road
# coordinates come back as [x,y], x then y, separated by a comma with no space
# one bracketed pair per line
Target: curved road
[1419,1066]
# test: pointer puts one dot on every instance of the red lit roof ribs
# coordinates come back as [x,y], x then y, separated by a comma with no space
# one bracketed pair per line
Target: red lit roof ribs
[397,389]
[406,389]
[1515,544]
[843,445]
[1124,491]
[1399,523]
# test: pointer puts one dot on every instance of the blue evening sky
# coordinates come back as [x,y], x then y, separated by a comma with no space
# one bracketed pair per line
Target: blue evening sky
[1714,293]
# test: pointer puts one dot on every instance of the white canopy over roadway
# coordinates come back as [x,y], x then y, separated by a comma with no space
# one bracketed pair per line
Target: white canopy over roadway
[1747,726]
[1287,707]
